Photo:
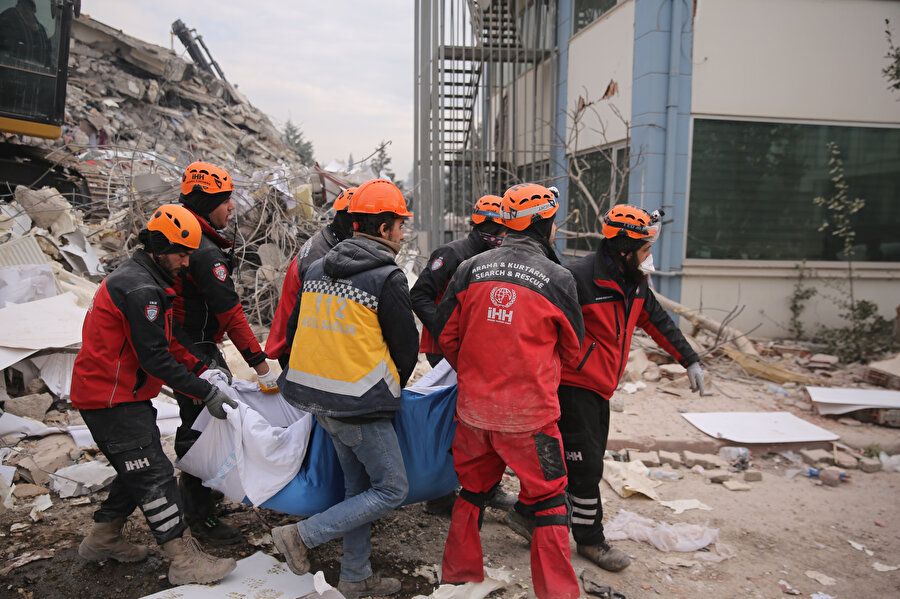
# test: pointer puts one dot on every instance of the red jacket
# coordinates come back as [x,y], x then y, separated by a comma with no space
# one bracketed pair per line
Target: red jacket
[128,349]
[507,322]
[609,323]
[433,280]
[207,305]
[315,247]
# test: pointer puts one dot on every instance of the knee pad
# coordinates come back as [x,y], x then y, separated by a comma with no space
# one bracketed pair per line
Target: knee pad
[530,511]
[478,500]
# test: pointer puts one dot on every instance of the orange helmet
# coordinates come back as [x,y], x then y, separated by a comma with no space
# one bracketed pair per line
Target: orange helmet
[177,224]
[527,203]
[487,207]
[205,177]
[342,202]
[377,196]
[631,221]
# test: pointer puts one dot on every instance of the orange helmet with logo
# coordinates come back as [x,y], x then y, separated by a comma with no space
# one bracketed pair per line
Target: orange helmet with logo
[342,202]
[177,224]
[630,221]
[377,196]
[527,203]
[205,177]
[487,207]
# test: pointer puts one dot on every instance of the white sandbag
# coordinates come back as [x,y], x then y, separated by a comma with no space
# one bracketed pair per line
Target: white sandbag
[256,451]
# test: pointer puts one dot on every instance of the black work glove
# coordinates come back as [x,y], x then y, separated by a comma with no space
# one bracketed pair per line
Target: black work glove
[214,401]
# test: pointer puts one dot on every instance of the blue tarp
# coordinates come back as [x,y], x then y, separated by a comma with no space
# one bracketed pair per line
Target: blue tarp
[425,429]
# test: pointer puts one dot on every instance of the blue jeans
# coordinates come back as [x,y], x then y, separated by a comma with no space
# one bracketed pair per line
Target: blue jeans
[374,482]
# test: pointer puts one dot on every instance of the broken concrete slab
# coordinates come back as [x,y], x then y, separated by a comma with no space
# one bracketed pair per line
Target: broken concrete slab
[870,464]
[706,460]
[753,476]
[647,458]
[671,458]
[735,485]
[27,491]
[29,406]
[815,456]
[846,461]
[82,479]
[718,475]
[43,457]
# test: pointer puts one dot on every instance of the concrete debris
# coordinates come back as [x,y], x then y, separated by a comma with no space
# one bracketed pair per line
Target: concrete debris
[753,476]
[706,460]
[735,485]
[29,406]
[41,504]
[82,479]
[27,491]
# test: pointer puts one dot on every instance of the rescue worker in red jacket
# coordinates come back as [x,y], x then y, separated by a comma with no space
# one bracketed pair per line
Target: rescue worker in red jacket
[507,323]
[339,229]
[207,307]
[128,352]
[615,298]
[487,233]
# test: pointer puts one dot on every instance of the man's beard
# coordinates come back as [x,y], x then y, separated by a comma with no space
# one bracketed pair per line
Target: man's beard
[632,269]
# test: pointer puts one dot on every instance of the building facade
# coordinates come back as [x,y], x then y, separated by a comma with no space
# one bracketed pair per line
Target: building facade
[728,126]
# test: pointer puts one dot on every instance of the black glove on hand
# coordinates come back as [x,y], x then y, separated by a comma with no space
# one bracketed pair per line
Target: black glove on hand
[214,401]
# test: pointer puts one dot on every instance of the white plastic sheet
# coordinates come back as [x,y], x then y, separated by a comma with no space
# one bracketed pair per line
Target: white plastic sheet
[259,575]
[758,427]
[24,283]
[256,451]
[665,537]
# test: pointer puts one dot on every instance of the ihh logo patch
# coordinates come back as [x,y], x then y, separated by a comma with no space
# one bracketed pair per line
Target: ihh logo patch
[220,272]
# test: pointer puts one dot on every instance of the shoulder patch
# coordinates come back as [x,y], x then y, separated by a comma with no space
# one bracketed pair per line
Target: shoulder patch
[151,311]
[220,271]
[437,263]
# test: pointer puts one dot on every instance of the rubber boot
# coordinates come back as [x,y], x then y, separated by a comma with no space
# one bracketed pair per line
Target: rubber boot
[191,565]
[105,541]
[608,558]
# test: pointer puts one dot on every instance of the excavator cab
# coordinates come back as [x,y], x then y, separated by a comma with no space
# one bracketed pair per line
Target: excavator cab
[34,56]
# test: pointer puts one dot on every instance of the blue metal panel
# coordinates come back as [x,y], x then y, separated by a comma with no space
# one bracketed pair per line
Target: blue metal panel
[660,117]
[559,161]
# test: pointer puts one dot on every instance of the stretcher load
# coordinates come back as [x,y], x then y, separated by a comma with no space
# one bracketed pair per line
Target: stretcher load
[273,455]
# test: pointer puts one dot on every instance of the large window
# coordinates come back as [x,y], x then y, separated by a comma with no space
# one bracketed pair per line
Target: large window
[753,184]
[605,174]
[588,11]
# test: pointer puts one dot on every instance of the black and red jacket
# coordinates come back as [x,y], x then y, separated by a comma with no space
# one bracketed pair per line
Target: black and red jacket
[208,305]
[507,322]
[128,346]
[433,280]
[609,322]
[315,247]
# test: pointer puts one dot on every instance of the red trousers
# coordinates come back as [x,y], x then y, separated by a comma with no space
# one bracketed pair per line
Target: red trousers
[480,457]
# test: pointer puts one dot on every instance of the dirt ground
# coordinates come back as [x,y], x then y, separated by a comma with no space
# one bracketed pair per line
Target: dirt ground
[780,530]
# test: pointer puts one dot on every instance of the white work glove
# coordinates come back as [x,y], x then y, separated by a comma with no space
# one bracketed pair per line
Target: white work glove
[214,402]
[268,382]
[695,377]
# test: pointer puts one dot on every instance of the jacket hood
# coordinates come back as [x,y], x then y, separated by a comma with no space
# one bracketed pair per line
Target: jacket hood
[355,255]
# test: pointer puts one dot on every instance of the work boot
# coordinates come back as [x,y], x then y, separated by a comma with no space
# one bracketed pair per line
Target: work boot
[105,541]
[190,565]
[500,500]
[373,586]
[213,530]
[290,544]
[521,525]
[442,506]
[608,558]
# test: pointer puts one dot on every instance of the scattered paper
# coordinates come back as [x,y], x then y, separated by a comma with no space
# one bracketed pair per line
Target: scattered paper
[860,547]
[40,505]
[882,568]
[472,590]
[679,562]
[628,478]
[82,479]
[259,575]
[821,578]
[682,505]
[25,558]
[836,400]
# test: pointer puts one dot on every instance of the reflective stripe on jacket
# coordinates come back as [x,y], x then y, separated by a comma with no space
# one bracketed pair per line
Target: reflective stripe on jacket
[340,362]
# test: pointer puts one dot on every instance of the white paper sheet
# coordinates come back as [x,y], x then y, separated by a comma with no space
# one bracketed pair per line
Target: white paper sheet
[837,400]
[758,427]
[51,322]
[259,575]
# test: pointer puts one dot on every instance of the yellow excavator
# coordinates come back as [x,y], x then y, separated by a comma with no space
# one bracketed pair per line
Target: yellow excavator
[34,56]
